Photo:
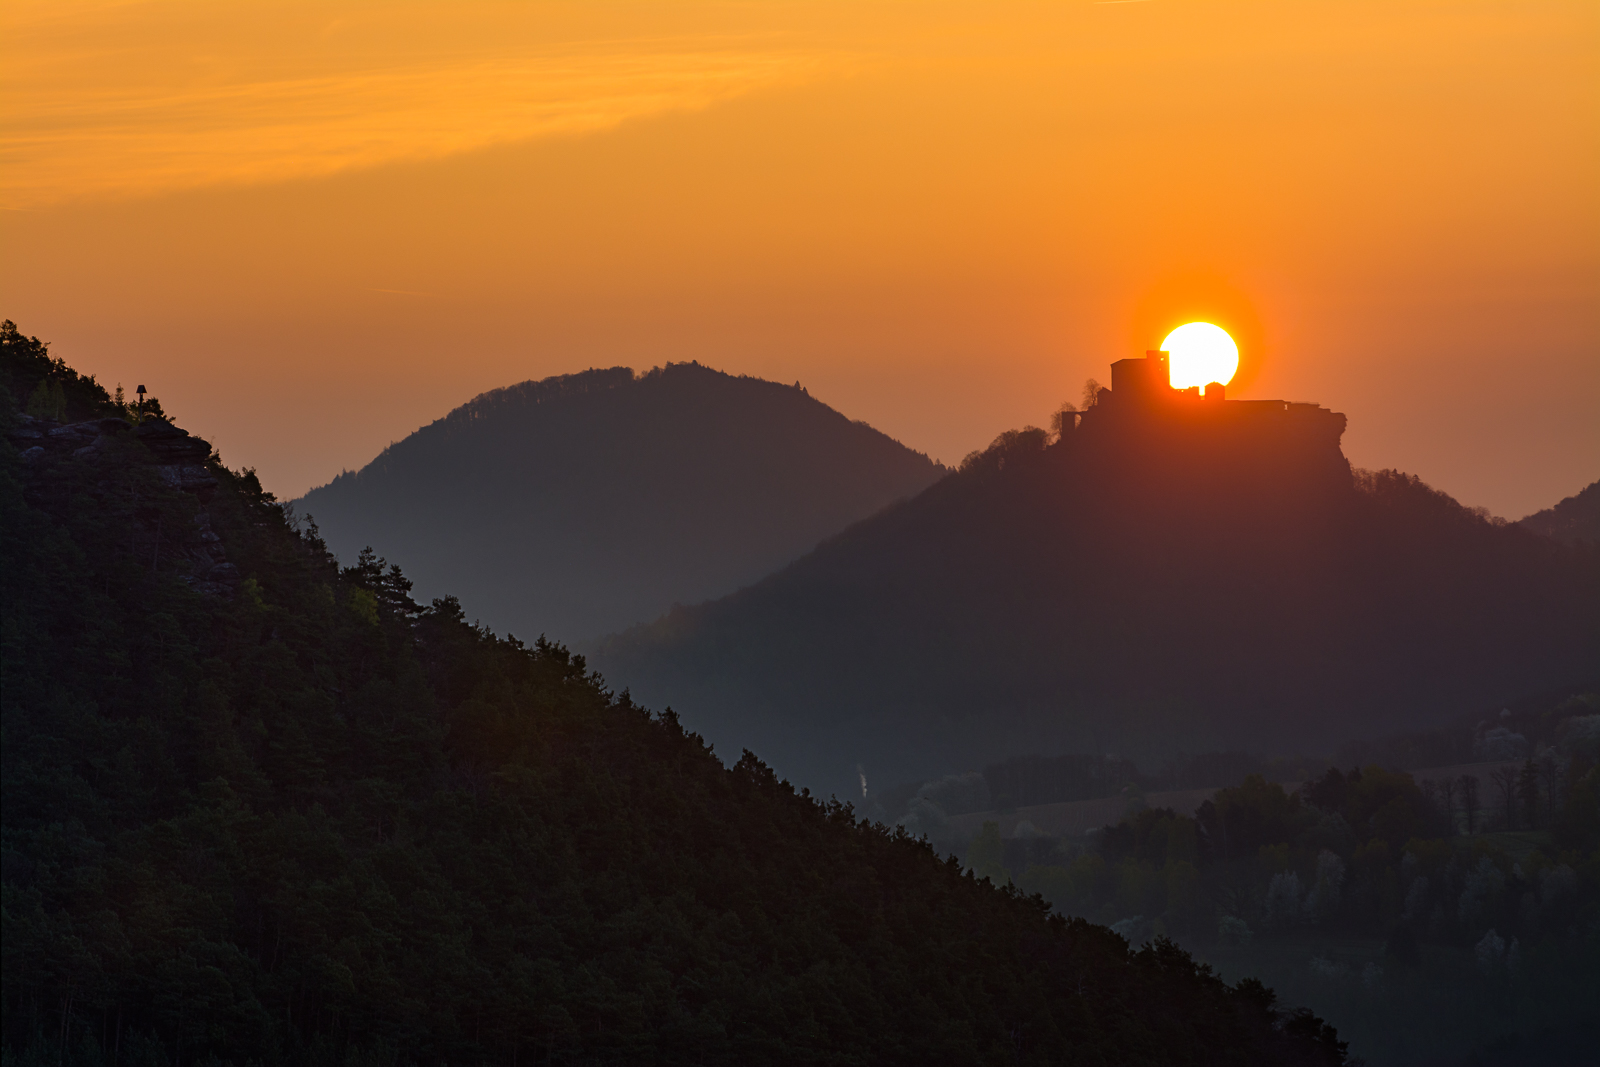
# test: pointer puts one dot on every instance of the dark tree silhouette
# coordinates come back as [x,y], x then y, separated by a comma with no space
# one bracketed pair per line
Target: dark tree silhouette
[1528,790]
[1470,800]
[1506,781]
[1447,799]
[1550,773]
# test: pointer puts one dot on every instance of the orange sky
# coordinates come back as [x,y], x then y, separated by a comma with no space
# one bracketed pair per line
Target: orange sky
[310,228]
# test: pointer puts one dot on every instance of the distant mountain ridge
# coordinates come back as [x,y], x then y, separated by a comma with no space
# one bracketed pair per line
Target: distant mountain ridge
[1575,519]
[590,502]
[1170,575]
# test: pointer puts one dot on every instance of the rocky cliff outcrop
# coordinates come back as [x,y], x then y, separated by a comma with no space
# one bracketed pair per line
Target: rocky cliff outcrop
[93,453]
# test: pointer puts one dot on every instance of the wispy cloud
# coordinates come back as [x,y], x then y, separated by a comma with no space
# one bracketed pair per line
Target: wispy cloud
[102,140]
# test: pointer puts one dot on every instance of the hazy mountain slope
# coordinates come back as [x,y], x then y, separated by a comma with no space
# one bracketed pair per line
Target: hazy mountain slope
[1577,518]
[1145,589]
[292,817]
[590,502]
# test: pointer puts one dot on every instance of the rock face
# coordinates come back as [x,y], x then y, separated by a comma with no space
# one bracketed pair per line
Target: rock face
[178,460]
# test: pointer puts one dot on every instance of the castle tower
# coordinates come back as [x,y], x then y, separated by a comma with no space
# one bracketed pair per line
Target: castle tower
[1144,380]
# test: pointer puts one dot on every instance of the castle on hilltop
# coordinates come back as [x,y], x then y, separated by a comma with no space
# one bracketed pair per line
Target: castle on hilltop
[1141,393]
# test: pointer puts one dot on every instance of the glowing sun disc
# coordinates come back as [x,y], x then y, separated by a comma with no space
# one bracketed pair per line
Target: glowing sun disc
[1199,353]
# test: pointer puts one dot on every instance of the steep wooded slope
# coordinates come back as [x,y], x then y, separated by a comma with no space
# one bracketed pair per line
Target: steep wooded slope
[1146,587]
[587,503]
[311,822]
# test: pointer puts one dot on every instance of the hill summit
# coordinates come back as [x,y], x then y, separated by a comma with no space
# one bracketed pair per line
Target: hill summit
[1171,572]
[586,503]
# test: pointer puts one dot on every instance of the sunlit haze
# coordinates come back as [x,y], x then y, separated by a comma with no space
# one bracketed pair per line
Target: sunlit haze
[310,228]
[1199,354]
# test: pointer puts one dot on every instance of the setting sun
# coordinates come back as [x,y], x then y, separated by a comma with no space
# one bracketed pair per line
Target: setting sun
[1199,354]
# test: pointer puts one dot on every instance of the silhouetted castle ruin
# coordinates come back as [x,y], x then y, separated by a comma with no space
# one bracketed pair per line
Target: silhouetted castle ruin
[1142,407]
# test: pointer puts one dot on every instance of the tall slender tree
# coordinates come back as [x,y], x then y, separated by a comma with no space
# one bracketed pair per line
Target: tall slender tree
[1447,799]
[1528,790]
[1550,774]
[1469,800]
[1505,781]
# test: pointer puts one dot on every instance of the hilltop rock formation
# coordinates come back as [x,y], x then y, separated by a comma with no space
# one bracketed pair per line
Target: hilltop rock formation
[590,502]
[54,456]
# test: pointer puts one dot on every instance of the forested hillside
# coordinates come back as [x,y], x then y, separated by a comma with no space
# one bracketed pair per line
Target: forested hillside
[1143,587]
[1377,896]
[586,503]
[1450,915]
[259,808]
[1575,519]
